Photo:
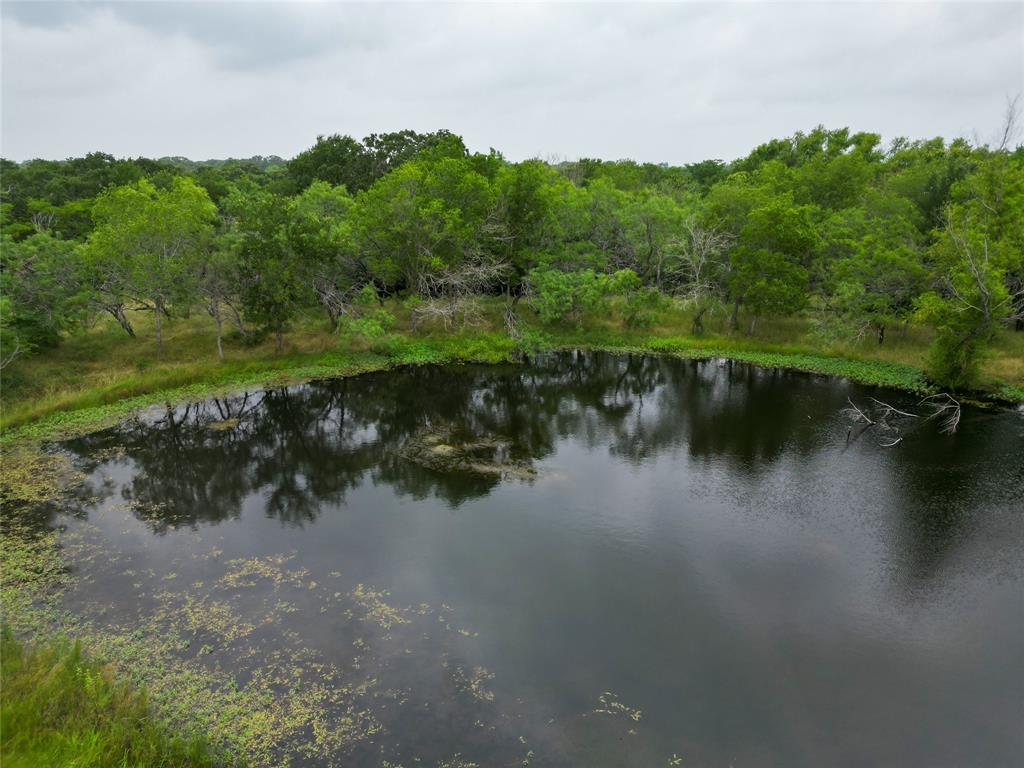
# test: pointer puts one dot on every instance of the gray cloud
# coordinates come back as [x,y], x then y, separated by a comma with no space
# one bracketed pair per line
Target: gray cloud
[672,83]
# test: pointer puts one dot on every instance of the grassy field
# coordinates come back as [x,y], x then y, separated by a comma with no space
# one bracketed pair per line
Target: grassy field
[59,708]
[104,366]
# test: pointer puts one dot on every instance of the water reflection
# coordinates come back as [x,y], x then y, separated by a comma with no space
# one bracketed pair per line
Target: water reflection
[701,538]
[304,447]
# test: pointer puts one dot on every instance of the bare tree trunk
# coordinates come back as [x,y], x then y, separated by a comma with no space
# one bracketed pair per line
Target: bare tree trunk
[735,321]
[881,333]
[220,348]
[159,327]
[753,325]
[279,338]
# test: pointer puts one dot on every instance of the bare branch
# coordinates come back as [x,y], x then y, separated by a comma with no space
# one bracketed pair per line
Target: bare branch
[856,413]
[1010,130]
[946,409]
[888,409]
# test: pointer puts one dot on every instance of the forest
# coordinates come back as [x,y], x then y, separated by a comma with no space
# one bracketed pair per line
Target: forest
[858,238]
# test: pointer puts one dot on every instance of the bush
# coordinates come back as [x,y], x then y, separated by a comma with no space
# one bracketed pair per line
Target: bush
[558,295]
[643,306]
[533,342]
[370,320]
[955,362]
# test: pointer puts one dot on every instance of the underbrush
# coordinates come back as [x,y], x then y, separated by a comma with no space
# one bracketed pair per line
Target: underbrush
[60,708]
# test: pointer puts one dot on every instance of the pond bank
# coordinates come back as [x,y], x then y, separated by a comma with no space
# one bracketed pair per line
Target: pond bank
[93,409]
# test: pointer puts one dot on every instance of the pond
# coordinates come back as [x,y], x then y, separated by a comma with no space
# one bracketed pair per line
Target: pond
[590,560]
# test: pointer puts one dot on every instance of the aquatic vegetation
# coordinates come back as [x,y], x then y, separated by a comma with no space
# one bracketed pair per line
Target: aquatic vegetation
[244,572]
[473,681]
[443,450]
[609,704]
[376,609]
[222,425]
[277,702]
[30,475]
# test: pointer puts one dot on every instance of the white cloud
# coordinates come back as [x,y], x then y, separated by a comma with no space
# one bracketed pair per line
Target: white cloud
[674,83]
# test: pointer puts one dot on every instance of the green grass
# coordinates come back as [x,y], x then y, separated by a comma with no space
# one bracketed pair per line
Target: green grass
[59,708]
[100,375]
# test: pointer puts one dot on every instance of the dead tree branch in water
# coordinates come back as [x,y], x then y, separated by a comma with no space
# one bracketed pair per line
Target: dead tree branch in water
[879,416]
[946,409]
[857,414]
[888,410]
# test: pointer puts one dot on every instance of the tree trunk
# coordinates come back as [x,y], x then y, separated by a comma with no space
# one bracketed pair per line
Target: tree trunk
[735,322]
[238,321]
[159,327]
[280,338]
[118,312]
[698,322]
[881,334]
[220,348]
[753,325]
[332,315]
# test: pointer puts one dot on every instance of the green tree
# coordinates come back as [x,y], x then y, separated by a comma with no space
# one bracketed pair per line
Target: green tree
[424,218]
[40,287]
[275,278]
[977,256]
[156,238]
[768,273]
[322,235]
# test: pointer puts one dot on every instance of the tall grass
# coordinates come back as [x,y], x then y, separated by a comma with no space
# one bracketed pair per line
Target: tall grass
[59,709]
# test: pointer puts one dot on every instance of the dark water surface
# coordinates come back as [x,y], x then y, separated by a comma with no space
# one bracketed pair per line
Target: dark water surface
[591,560]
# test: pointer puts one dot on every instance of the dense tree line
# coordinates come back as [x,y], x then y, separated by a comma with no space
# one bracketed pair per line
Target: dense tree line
[859,237]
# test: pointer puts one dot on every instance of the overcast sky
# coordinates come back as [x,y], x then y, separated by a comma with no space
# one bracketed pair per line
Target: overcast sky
[674,83]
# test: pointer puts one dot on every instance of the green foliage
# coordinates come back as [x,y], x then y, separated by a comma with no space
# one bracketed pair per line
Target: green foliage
[341,160]
[272,266]
[39,290]
[148,242]
[643,306]
[824,222]
[980,261]
[61,708]
[373,324]
[532,341]
[422,219]
[559,296]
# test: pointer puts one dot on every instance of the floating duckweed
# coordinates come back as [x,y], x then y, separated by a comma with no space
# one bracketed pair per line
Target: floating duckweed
[609,704]
[376,609]
[474,682]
